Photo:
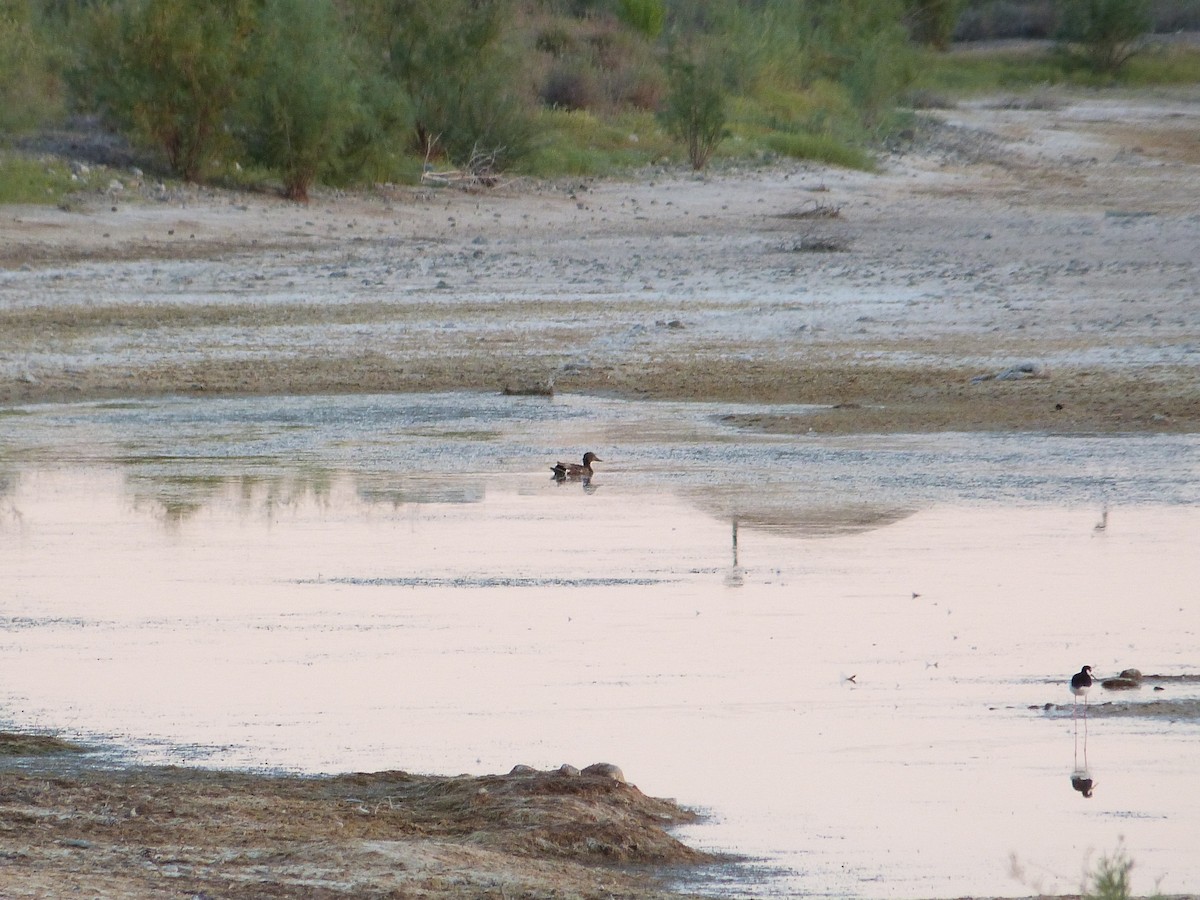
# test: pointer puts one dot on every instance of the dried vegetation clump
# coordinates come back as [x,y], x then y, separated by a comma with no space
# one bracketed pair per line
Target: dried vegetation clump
[34,745]
[138,832]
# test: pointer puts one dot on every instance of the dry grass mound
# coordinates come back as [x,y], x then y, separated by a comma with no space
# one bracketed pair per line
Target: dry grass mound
[147,832]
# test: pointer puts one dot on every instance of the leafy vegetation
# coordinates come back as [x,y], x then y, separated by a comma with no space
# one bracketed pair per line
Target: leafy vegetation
[167,72]
[28,89]
[695,110]
[932,22]
[292,92]
[1104,34]
[304,103]
[1110,879]
[27,180]
[1016,70]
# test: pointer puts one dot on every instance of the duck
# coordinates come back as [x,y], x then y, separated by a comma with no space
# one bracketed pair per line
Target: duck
[574,471]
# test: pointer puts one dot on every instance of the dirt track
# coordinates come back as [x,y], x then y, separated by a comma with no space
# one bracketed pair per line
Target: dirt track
[1060,237]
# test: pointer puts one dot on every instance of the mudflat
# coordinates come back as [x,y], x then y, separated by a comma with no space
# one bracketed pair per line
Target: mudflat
[1015,264]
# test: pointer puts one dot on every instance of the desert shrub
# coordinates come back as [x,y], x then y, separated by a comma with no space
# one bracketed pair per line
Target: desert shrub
[631,73]
[554,39]
[639,87]
[303,101]
[695,107]
[861,45]
[453,60]
[1176,15]
[570,86]
[598,66]
[167,72]
[877,77]
[1104,34]
[375,146]
[993,19]
[1110,880]
[29,89]
[645,16]
[932,22]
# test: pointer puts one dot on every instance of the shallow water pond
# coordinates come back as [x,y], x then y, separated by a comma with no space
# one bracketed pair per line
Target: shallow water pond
[840,648]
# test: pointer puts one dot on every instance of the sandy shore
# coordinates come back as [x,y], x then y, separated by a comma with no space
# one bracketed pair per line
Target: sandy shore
[1052,240]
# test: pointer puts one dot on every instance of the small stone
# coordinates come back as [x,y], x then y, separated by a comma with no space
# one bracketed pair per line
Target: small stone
[568,769]
[605,770]
[523,770]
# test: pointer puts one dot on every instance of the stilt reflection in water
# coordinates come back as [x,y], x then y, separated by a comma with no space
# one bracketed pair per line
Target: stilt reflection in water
[733,578]
[1081,776]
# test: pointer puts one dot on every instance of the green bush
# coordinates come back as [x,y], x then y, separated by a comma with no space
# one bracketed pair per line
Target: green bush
[1110,880]
[646,16]
[452,59]
[862,45]
[932,22]
[695,108]
[29,92]
[375,147]
[302,101]
[167,72]
[1104,34]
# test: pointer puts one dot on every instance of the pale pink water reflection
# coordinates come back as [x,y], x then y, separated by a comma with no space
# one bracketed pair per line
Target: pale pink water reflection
[469,623]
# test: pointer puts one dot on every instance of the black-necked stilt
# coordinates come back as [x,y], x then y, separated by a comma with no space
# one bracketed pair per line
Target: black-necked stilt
[1081,682]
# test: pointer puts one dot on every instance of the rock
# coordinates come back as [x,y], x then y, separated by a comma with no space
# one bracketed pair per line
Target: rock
[1015,373]
[1128,680]
[605,770]
[522,770]
[568,770]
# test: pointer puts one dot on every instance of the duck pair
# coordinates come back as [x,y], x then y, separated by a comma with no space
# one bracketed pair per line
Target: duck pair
[574,471]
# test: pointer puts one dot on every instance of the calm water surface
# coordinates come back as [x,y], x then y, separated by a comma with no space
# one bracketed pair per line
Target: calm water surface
[837,647]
